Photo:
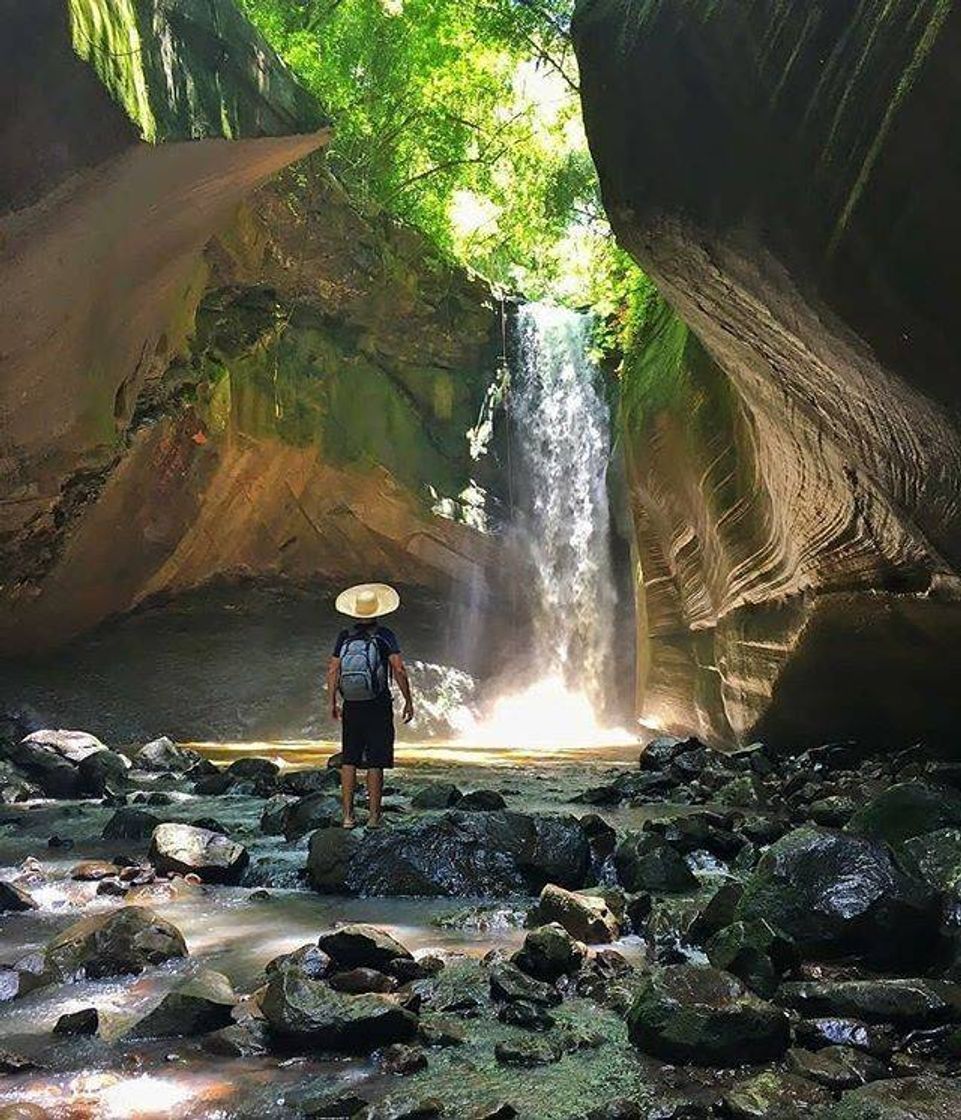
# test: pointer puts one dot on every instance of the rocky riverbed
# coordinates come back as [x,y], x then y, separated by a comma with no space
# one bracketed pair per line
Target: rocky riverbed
[684,936]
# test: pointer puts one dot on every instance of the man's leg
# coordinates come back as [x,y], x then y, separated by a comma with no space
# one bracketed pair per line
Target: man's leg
[375,789]
[348,783]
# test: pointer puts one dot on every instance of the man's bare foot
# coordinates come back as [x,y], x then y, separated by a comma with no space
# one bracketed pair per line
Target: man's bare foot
[374,822]
[349,822]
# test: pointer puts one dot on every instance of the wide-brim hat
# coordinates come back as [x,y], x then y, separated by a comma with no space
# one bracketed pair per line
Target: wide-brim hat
[367,600]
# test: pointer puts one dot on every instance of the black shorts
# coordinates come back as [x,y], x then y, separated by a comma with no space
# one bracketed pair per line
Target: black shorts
[367,733]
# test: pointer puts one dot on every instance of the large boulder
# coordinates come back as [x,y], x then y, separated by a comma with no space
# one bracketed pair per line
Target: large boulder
[362,946]
[702,1016]
[905,810]
[586,917]
[121,942]
[100,771]
[201,1003]
[646,862]
[772,1095]
[305,1012]
[453,853]
[904,1002]
[14,899]
[833,894]
[329,859]
[51,759]
[908,1098]
[307,814]
[549,952]
[185,850]
[164,756]
[130,823]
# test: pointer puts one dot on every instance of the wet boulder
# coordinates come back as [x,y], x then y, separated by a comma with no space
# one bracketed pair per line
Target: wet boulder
[213,785]
[836,1067]
[453,854]
[86,1021]
[121,942]
[509,983]
[549,952]
[586,917]
[701,1016]
[774,1096]
[100,771]
[646,862]
[753,952]
[661,752]
[358,981]
[51,759]
[14,899]
[436,795]
[482,801]
[833,894]
[815,1034]
[307,814]
[330,857]
[402,1060]
[304,1012]
[905,810]
[902,1002]
[254,770]
[197,1005]
[164,756]
[185,850]
[15,786]
[362,946]
[300,783]
[309,960]
[936,858]
[130,823]
[909,1098]
[274,813]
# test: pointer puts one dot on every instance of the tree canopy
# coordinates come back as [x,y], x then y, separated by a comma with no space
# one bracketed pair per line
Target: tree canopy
[462,117]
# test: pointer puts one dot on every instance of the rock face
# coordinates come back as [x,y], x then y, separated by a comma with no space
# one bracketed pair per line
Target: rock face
[790,397]
[287,387]
[833,894]
[453,853]
[142,174]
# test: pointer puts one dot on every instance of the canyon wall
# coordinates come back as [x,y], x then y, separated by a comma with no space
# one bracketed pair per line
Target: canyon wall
[787,175]
[209,375]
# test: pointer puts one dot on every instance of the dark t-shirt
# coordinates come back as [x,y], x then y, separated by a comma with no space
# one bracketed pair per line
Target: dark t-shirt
[386,639]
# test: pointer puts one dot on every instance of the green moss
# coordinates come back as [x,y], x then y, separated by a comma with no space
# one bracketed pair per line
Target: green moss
[189,69]
[106,35]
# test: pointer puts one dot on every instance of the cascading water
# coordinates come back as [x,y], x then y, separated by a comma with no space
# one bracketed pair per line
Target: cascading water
[561,660]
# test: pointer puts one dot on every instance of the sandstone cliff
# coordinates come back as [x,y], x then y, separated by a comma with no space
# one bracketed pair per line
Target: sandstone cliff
[783,172]
[199,387]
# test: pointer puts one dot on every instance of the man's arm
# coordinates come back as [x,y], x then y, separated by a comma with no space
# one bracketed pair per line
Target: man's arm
[403,683]
[333,680]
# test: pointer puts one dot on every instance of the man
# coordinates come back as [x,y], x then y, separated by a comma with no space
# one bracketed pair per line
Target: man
[366,656]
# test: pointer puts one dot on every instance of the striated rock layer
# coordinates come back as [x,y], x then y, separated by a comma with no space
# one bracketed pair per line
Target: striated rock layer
[196,386]
[783,173]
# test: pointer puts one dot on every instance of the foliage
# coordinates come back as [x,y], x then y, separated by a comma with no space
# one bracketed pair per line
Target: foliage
[461,117]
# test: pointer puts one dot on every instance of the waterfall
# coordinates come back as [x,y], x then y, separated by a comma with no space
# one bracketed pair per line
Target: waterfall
[562,440]
[558,665]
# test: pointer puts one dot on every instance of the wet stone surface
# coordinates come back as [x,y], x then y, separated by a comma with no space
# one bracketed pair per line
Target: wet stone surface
[559,982]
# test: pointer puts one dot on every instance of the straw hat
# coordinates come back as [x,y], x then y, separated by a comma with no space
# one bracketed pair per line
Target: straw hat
[367,600]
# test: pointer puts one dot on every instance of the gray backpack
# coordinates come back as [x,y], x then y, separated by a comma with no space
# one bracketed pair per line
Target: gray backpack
[363,671]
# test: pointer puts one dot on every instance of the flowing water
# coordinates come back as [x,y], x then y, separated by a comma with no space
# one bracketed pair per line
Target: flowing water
[561,663]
